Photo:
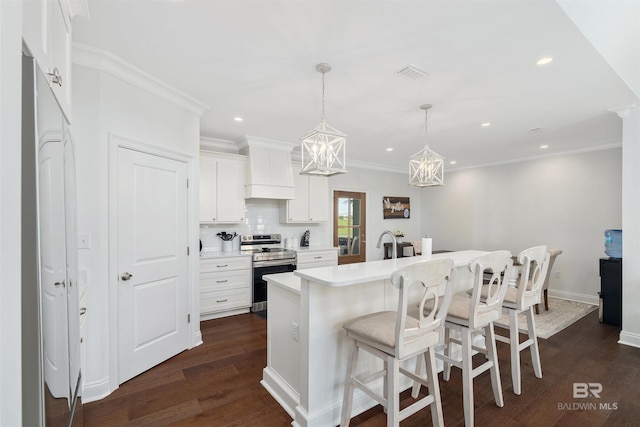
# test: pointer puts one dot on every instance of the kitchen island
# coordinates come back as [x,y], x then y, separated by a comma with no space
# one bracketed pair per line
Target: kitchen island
[307,351]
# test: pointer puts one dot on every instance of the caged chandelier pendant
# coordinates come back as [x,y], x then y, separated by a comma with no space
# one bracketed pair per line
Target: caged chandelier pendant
[426,167]
[324,148]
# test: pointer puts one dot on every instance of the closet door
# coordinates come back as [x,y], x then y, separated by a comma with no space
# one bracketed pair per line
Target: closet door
[53,265]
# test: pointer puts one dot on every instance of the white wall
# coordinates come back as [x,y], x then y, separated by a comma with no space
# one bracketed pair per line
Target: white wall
[10,228]
[564,201]
[105,105]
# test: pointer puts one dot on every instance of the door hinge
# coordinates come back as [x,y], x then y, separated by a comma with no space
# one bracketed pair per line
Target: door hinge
[187,182]
[188,318]
[188,250]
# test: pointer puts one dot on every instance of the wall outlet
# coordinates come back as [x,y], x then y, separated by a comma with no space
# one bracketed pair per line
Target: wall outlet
[294,331]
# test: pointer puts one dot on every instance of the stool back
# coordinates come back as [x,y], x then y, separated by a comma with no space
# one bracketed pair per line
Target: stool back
[432,276]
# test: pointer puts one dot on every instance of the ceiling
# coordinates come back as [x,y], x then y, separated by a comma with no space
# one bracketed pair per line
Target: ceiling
[256,60]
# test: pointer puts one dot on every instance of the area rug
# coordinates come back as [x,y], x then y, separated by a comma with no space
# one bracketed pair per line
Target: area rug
[561,314]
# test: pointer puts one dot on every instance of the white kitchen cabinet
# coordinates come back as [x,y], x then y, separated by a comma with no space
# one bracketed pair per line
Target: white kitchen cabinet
[47,35]
[222,188]
[312,202]
[225,286]
[311,258]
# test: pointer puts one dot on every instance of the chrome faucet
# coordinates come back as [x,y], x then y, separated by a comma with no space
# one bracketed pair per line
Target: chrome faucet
[394,253]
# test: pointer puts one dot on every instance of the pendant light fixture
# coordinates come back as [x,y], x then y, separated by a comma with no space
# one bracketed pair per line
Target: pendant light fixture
[426,167]
[323,149]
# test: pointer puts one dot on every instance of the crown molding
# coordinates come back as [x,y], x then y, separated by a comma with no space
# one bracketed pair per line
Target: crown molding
[624,110]
[91,57]
[256,141]
[218,145]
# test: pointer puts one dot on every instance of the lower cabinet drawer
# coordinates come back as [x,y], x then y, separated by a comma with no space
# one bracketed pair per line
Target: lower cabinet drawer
[211,302]
[210,282]
[302,266]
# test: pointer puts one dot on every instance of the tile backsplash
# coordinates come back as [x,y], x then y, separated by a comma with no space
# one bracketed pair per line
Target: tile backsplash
[262,216]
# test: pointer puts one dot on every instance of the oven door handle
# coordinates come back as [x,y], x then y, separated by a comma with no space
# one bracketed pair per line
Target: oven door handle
[273,263]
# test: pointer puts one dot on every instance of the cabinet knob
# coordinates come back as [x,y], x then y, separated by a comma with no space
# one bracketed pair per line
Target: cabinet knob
[214,219]
[56,78]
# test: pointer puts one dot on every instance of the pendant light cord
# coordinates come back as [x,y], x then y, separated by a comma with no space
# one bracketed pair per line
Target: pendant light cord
[323,118]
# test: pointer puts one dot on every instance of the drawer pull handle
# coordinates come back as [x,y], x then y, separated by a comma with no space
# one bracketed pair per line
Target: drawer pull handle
[222,300]
[220,266]
[221,281]
[317,257]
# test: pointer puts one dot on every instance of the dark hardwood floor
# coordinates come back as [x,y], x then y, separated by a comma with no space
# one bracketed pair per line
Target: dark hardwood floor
[218,384]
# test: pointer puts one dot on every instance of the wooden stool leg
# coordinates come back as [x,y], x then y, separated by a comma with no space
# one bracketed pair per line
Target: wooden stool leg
[437,418]
[514,344]
[492,352]
[467,377]
[546,301]
[535,352]
[348,386]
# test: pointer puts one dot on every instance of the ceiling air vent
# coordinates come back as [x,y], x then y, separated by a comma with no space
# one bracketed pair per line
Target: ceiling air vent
[536,130]
[413,72]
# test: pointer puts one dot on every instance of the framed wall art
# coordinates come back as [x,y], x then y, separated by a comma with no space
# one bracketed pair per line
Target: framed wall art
[396,207]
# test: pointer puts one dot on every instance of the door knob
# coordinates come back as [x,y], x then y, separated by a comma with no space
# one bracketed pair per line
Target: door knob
[58,284]
[126,276]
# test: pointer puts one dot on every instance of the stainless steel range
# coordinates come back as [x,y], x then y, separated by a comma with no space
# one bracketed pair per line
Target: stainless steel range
[269,257]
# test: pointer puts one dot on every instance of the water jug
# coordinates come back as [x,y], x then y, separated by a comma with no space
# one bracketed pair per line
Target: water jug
[613,243]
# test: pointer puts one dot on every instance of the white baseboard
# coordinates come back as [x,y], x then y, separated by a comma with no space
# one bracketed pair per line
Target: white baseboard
[281,391]
[630,339]
[96,390]
[572,296]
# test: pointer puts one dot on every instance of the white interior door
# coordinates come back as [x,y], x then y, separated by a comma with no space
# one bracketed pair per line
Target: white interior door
[52,267]
[152,261]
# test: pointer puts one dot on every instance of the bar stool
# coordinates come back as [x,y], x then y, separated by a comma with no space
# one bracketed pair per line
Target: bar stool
[522,299]
[468,315]
[394,337]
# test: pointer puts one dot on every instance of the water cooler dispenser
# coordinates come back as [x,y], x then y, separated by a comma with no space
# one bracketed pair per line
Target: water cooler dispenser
[611,279]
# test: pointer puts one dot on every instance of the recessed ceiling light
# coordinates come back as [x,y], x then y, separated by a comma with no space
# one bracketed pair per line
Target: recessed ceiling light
[544,61]
[237,119]
[452,162]
[484,125]
[389,149]
[544,146]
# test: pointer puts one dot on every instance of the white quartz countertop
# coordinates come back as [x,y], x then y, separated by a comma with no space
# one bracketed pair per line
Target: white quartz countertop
[285,280]
[314,248]
[221,254]
[351,274]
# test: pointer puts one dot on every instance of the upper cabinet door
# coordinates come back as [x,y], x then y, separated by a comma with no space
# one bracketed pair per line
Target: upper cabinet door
[311,203]
[222,182]
[208,193]
[47,35]
[230,179]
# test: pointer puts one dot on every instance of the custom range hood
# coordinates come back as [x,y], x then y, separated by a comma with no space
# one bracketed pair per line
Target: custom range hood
[269,173]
